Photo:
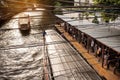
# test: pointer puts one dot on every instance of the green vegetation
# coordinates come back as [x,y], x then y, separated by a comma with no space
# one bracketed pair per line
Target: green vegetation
[95,20]
[108,2]
[58,9]
[111,13]
[58,4]
[47,2]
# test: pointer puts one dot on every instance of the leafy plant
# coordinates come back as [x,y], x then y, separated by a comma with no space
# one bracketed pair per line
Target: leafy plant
[111,13]
[58,9]
[95,20]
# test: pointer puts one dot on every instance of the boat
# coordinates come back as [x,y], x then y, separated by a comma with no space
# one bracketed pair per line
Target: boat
[24,22]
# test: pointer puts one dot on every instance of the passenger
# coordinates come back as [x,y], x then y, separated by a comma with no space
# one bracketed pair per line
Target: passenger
[99,54]
[85,42]
[117,65]
[95,49]
[105,58]
[82,37]
[74,36]
[70,31]
[111,60]
[92,46]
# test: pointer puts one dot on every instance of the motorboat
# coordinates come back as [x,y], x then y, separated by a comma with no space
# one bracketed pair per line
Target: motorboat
[24,22]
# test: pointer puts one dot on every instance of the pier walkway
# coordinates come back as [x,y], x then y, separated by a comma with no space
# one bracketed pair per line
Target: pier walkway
[93,61]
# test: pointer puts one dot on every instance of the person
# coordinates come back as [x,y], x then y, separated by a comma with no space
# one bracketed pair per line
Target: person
[44,33]
[105,58]
[117,65]
[111,60]
[95,49]
[92,46]
[99,54]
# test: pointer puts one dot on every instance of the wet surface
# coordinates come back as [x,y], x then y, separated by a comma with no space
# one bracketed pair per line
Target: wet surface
[23,54]
[65,61]
[21,58]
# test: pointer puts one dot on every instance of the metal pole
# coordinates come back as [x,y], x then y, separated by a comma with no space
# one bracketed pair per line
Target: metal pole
[103,56]
[46,74]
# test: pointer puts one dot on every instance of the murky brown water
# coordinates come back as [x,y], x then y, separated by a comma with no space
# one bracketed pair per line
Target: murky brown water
[20,55]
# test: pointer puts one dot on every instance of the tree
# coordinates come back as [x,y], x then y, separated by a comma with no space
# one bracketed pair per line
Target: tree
[109,14]
[95,20]
[48,2]
[58,9]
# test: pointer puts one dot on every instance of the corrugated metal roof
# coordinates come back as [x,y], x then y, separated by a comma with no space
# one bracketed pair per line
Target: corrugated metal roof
[106,34]
[103,32]
[113,42]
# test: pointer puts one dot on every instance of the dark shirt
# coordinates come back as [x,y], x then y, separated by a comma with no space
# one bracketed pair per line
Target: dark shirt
[44,33]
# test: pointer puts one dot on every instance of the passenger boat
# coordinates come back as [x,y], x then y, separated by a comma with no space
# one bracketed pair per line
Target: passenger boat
[24,23]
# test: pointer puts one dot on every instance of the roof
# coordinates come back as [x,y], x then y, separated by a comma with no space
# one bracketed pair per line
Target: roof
[24,19]
[106,34]
[113,42]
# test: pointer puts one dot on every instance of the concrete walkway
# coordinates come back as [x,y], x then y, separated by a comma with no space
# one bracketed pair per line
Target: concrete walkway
[92,60]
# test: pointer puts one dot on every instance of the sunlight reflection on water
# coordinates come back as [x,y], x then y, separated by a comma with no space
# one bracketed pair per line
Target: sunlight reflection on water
[23,63]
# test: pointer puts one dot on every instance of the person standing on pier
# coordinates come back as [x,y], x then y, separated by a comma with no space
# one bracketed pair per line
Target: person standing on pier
[44,33]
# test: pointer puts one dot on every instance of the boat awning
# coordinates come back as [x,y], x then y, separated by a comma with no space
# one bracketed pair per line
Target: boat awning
[113,42]
[103,32]
[106,34]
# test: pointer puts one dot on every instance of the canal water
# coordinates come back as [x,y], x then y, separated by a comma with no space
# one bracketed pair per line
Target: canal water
[21,53]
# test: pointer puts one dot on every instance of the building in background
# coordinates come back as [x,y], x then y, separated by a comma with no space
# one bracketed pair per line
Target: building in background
[82,2]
